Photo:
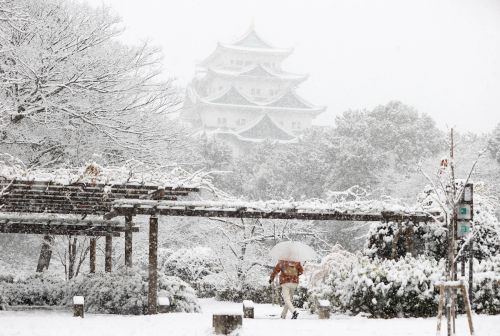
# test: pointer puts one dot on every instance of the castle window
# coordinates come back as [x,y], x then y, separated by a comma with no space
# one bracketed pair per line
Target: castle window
[295,124]
[221,121]
[239,62]
[255,91]
[241,122]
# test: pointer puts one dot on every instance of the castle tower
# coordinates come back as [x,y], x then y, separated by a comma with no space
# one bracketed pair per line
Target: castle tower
[242,94]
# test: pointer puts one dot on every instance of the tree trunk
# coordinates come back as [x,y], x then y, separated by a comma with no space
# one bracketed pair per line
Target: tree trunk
[45,254]
[153,265]
[108,254]
[92,258]
[128,241]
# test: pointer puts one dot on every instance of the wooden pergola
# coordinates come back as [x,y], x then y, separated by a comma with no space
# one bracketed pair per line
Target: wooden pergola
[262,210]
[94,196]
[30,197]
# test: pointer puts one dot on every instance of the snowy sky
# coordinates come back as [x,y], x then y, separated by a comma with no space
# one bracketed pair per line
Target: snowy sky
[440,56]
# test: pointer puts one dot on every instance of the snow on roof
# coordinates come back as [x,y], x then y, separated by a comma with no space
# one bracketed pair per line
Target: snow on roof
[133,172]
[265,128]
[247,49]
[223,48]
[258,70]
[253,40]
[233,97]
[291,99]
[228,132]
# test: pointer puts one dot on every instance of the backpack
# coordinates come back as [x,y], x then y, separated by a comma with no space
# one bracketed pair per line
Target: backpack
[290,269]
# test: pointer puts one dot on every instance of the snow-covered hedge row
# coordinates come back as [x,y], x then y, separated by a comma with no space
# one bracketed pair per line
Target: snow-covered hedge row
[487,286]
[36,290]
[383,288]
[259,294]
[126,292]
[123,292]
[393,288]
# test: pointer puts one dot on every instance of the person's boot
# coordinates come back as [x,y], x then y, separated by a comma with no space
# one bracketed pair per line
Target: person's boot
[294,315]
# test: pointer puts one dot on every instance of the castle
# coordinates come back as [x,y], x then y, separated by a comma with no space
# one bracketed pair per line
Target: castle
[241,94]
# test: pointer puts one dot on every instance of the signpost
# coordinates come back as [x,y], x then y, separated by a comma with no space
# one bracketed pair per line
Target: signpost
[465,217]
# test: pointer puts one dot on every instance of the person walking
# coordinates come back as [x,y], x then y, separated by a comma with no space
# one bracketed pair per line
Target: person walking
[289,280]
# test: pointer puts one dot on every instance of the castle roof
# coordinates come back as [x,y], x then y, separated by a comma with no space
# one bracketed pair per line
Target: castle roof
[265,128]
[259,71]
[234,98]
[250,43]
[292,100]
[252,40]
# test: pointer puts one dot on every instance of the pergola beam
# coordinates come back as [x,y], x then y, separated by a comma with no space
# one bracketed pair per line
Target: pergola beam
[64,233]
[164,210]
[61,227]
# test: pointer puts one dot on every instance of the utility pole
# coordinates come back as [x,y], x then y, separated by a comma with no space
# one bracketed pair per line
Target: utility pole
[450,305]
[458,220]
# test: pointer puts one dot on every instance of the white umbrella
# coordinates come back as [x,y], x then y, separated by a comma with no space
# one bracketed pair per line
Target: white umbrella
[292,251]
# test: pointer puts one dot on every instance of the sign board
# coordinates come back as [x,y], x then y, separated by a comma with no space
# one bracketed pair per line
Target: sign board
[467,196]
[463,228]
[464,212]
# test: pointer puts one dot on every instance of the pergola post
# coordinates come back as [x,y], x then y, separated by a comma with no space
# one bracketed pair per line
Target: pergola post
[108,253]
[128,241]
[153,264]
[93,245]
[45,254]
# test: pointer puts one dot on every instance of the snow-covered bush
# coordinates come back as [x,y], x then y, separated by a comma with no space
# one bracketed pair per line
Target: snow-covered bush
[389,288]
[487,286]
[256,289]
[326,279]
[430,238]
[126,292]
[193,265]
[381,288]
[235,293]
[36,290]
[427,239]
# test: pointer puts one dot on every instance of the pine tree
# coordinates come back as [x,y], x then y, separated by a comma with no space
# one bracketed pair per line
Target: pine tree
[494,144]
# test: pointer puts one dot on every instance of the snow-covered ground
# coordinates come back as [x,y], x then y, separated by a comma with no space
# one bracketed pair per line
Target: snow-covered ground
[266,322]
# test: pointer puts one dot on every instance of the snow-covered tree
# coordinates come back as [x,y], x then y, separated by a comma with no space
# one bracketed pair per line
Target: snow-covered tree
[69,88]
[494,143]
[245,244]
[393,128]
